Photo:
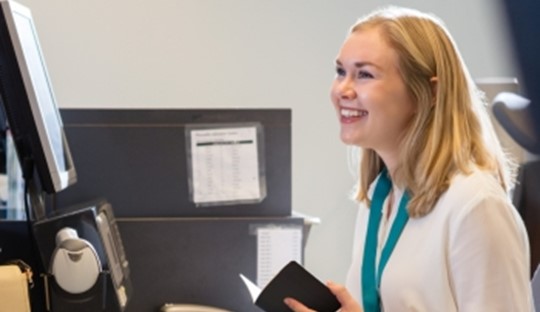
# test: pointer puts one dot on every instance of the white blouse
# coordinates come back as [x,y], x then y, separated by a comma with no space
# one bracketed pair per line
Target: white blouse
[471,253]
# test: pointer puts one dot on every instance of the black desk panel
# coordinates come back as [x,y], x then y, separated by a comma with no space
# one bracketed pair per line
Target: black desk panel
[195,261]
[136,158]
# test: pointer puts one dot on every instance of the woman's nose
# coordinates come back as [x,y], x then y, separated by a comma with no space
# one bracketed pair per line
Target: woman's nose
[346,89]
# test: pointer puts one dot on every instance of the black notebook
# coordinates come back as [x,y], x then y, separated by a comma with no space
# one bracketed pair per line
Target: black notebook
[296,282]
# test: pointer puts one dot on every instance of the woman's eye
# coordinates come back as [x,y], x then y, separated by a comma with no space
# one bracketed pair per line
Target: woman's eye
[364,74]
[340,71]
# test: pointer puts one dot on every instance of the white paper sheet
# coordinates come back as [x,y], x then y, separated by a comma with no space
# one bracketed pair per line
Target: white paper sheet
[225,165]
[275,248]
[253,289]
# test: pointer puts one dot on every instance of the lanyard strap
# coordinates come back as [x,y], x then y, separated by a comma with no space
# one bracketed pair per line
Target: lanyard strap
[371,281]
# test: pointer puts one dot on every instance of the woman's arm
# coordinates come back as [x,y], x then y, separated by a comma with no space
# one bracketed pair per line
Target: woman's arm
[489,258]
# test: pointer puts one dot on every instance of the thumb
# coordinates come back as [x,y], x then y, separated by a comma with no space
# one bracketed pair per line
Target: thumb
[343,296]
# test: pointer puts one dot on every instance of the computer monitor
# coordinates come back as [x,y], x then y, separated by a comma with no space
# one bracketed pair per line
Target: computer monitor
[523,22]
[28,98]
[38,133]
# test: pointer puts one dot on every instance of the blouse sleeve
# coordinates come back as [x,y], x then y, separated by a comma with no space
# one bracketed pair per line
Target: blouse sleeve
[489,258]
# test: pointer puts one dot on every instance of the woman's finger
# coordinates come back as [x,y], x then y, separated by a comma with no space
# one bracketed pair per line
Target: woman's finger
[296,306]
[348,303]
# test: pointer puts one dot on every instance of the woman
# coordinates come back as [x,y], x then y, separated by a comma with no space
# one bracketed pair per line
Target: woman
[436,230]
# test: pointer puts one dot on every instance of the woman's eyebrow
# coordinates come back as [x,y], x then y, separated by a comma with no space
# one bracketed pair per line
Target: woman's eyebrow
[359,64]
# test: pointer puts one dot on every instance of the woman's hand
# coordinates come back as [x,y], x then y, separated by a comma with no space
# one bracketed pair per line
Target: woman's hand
[348,304]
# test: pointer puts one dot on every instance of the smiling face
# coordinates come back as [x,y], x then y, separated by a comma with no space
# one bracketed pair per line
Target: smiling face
[369,95]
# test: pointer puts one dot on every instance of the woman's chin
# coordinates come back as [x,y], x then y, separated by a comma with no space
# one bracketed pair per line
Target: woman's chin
[350,139]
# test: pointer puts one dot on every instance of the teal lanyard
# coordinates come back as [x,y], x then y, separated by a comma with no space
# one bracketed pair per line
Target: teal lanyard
[371,282]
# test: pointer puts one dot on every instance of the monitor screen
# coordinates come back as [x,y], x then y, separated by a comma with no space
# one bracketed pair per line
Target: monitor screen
[27,95]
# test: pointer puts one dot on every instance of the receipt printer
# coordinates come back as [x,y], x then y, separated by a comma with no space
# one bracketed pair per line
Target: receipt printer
[84,259]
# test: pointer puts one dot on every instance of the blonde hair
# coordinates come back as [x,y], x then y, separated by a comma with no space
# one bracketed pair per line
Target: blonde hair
[451,131]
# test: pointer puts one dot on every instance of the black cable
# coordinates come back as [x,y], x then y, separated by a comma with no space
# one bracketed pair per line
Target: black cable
[33,242]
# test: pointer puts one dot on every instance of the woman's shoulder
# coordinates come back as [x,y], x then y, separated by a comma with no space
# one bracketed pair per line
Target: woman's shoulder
[476,181]
[474,190]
